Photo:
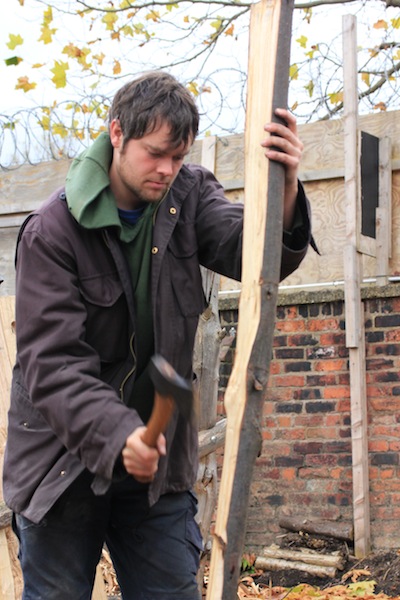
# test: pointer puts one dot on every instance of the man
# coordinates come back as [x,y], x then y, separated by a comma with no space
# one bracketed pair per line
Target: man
[107,275]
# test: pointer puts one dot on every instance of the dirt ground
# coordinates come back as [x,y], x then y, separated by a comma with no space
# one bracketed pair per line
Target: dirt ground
[382,567]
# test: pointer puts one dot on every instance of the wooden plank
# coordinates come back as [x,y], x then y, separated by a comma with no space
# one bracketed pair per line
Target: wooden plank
[10,577]
[384,212]
[7,591]
[99,591]
[355,331]
[270,30]
[34,184]
[206,365]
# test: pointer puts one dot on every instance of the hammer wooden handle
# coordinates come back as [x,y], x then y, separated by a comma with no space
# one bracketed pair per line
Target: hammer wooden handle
[159,419]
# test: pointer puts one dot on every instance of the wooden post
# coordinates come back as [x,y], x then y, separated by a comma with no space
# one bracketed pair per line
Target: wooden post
[268,76]
[384,213]
[10,574]
[206,367]
[354,312]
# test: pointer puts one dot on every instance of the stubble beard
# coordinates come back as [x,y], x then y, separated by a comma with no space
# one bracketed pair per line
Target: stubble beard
[142,196]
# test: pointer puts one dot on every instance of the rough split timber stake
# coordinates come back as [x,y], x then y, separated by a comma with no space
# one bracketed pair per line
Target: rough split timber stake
[268,77]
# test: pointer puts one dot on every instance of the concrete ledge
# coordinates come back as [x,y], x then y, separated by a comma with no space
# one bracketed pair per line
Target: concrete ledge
[316,296]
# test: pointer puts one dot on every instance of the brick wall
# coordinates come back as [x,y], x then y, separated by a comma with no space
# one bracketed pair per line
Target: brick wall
[306,465]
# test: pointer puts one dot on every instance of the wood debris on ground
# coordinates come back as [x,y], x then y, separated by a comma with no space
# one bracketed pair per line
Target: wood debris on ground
[109,577]
[250,590]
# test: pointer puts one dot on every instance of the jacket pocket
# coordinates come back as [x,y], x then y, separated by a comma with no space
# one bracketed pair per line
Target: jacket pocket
[107,323]
[101,290]
[185,271]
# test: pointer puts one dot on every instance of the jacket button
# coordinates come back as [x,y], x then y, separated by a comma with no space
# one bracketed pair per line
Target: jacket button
[63,473]
[172,210]
[154,250]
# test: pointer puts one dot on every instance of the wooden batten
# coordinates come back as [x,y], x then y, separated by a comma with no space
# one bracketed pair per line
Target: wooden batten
[354,309]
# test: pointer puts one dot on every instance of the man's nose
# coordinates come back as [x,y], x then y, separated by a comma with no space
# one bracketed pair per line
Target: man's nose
[165,166]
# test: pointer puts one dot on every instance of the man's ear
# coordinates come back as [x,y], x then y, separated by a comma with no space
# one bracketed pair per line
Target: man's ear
[116,135]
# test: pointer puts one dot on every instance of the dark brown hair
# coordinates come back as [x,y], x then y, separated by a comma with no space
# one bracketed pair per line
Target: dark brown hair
[156,97]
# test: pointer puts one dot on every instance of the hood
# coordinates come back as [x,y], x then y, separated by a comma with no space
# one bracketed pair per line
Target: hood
[89,197]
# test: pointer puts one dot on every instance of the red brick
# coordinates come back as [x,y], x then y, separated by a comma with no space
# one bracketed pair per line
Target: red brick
[330,365]
[323,324]
[289,326]
[336,392]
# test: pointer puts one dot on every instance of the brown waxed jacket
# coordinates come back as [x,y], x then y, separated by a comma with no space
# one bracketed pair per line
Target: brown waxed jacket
[75,336]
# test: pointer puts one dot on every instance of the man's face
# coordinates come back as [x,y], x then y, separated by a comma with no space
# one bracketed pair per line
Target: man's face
[143,170]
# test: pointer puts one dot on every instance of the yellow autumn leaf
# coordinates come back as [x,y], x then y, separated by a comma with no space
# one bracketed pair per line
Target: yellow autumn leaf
[395,23]
[127,30]
[109,20]
[216,24]
[21,2]
[365,77]
[59,129]
[307,14]
[60,77]
[45,123]
[230,30]
[336,97]
[153,15]
[380,106]
[99,58]
[15,40]
[293,72]
[79,54]
[361,588]
[302,40]
[193,88]
[47,34]
[38,65]
[310,88]
[381,24]
[72,51]
[186,19]
[24,84]
[47,15]
[116,67]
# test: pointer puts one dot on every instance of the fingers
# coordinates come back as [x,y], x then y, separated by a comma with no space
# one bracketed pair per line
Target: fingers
[140,460]
[283,144]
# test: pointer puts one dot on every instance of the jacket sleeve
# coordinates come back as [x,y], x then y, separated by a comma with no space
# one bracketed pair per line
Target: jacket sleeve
[220,231]
[60,369]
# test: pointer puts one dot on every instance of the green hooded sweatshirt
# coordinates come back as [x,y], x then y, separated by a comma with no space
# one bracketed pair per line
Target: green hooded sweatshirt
[93,205]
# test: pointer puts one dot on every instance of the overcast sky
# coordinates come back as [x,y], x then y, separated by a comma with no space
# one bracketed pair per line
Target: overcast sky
[326,25]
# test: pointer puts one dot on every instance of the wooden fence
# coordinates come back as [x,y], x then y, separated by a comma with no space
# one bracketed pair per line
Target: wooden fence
[322,171]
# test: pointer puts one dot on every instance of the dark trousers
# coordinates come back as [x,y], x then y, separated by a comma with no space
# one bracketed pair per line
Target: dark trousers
[155,550]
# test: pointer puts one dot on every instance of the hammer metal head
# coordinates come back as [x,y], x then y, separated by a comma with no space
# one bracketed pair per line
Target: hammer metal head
[168,382]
